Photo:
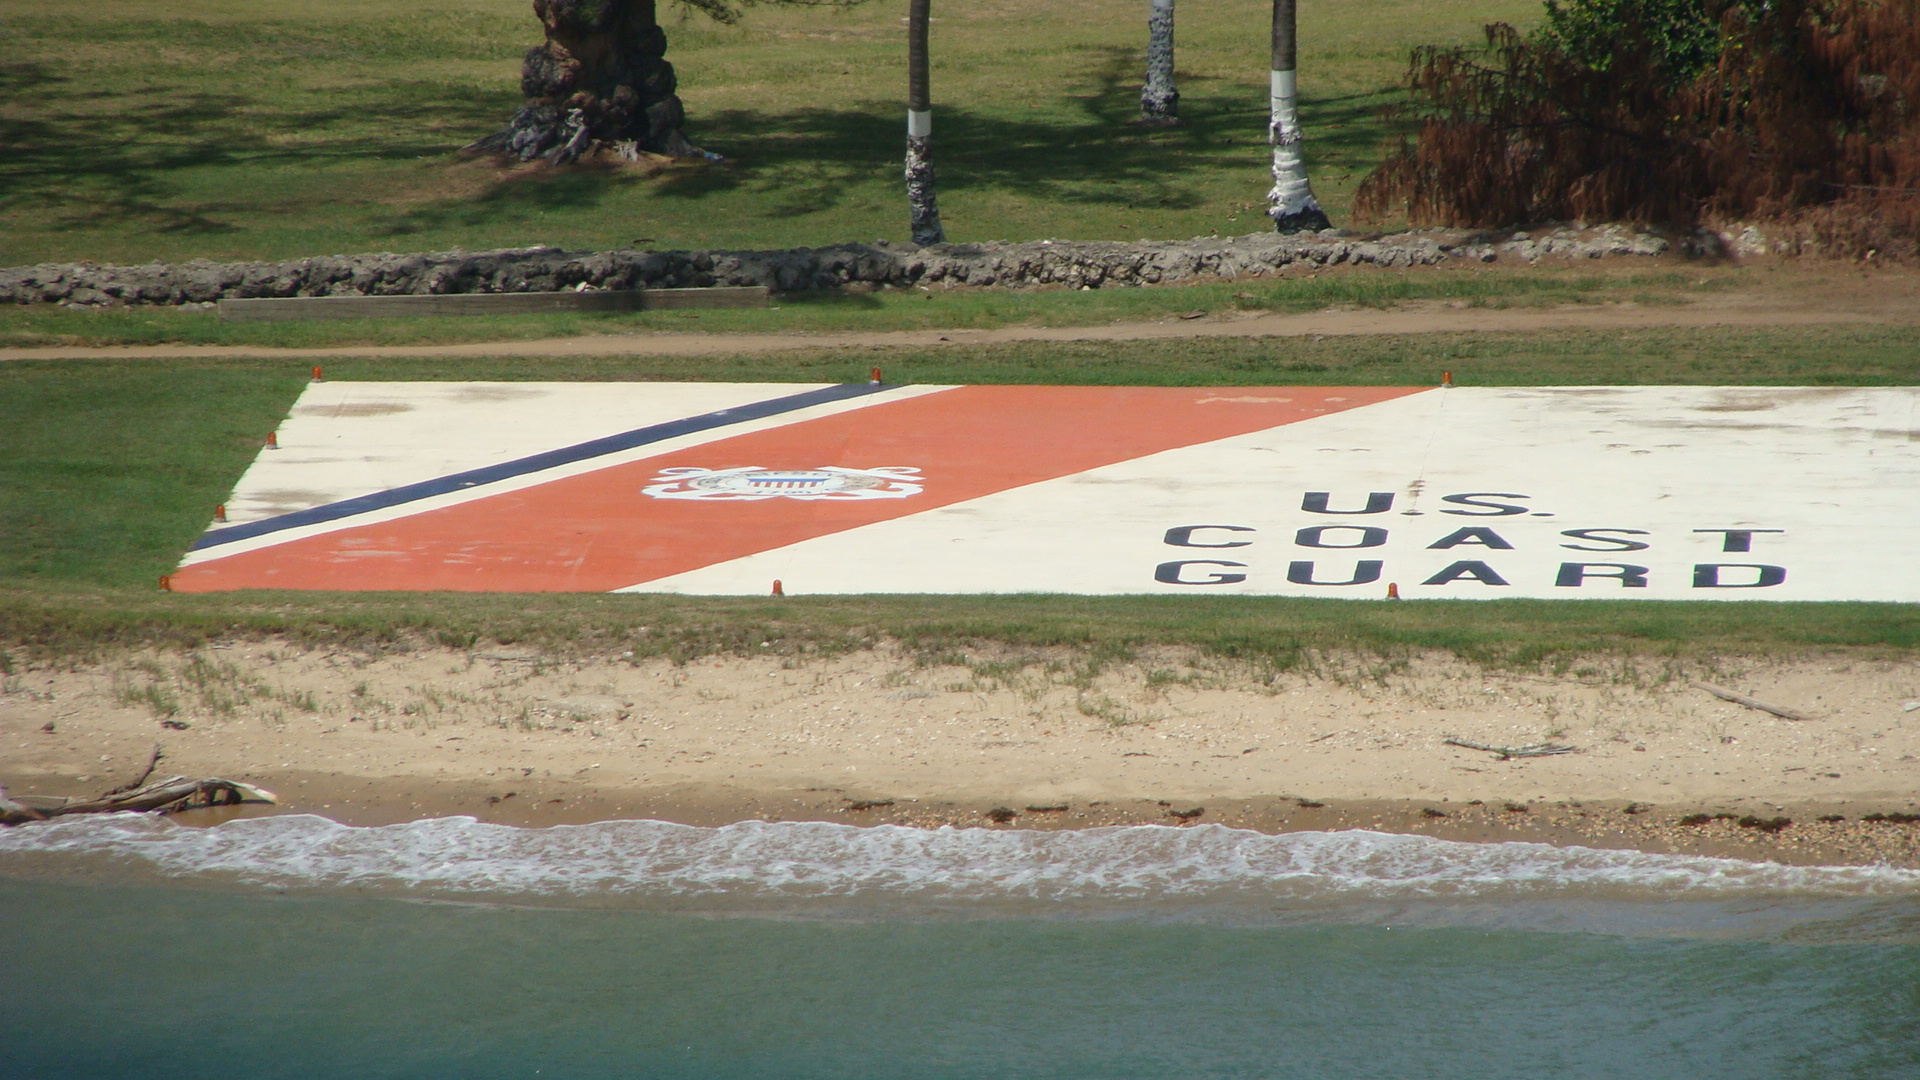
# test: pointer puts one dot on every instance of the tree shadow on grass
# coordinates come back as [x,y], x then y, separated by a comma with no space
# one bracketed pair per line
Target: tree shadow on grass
[173,161]
[98,159]
[509,194]
[813,161]
[809,161]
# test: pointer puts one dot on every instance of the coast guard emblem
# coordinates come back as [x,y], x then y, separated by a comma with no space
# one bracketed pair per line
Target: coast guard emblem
[749,483]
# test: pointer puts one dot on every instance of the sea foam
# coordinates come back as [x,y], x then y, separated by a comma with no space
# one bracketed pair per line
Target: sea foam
[753,863]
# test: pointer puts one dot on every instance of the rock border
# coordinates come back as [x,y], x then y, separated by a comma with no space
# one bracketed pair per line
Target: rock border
[1073,264]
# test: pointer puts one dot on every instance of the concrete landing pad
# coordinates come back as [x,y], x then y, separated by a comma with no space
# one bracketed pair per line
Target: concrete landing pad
[1722,493]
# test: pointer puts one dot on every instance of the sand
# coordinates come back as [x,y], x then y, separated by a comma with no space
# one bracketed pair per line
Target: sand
[1006,739]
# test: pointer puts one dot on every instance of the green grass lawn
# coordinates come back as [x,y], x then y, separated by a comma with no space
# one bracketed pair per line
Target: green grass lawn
[1272,632]
[109,469]
[150,129]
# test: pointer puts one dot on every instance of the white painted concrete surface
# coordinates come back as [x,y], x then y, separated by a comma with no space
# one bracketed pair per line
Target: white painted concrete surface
[1822,479]
[348,439]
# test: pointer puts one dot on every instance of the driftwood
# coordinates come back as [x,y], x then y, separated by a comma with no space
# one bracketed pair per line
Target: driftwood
[153,762]
[1751,703]
[164,796]
[1505,752]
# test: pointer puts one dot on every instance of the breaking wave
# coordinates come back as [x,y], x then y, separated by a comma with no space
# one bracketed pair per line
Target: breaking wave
[824,867]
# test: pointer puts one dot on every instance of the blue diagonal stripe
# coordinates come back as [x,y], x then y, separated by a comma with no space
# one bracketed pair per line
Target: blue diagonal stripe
[506,470]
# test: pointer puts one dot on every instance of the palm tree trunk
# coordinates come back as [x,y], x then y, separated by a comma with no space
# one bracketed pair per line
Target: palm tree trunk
[923,211]
[1159,101]
[1291,203]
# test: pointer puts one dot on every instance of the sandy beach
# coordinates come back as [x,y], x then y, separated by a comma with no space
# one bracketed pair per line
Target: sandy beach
[1009,739]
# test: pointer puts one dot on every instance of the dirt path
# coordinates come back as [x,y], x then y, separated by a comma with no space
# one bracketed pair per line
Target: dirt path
[1413,318]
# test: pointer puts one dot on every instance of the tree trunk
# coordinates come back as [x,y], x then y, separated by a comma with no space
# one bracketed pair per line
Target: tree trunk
[1292,205]
[601,80]
[923,211]
[1159,101]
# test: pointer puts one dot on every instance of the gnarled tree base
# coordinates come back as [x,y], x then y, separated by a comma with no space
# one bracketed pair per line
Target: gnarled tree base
[600,81]
[561,136]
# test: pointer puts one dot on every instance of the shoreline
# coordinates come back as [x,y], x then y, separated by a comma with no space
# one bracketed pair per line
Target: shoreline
[890,736]
[1732,829]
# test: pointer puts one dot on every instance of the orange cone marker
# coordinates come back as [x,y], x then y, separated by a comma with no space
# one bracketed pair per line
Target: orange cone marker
[273,440]
[316,373]
[166,582]
[1393,590]
[220,512]
[875,380]
[777,590]
[1446,378]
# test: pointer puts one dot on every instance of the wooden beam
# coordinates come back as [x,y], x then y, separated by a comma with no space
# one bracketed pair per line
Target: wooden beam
[298,308]
[725,296]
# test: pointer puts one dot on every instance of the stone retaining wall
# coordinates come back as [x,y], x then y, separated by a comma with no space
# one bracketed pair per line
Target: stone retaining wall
[1073,264]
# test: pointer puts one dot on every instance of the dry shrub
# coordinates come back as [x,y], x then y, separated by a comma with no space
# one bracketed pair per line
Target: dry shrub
[1811,116]
[1871,227]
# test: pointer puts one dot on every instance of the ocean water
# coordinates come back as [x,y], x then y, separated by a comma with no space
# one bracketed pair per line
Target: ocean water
[293,947]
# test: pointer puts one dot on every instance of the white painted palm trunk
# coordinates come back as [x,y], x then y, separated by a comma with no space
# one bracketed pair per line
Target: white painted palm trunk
[1159,101]
[1291,204]
[923,211]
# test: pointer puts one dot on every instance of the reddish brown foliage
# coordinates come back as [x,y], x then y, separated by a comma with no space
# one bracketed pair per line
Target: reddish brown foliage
[1863,225]
[1811,115]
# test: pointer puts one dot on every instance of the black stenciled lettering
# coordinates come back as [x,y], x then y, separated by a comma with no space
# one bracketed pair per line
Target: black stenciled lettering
[1738,539]
[1617,544]
[1575,574]
[1182,536]
[1485,509]
[1707,575]
[1477,534]
[1316,537]
[1170,573]
[1378,502]
[1364,571]
[1467,569]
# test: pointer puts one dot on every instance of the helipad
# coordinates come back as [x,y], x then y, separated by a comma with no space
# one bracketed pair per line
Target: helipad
[1590,492]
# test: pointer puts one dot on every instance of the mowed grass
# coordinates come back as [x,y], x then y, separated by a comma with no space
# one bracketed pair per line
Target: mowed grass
[1826,355]
[147,129]
[1276,633]
[109,469]
[899,309]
